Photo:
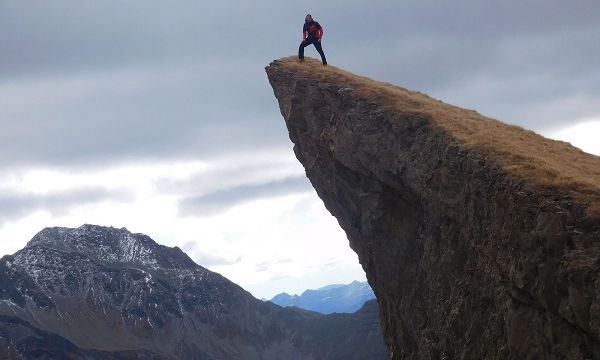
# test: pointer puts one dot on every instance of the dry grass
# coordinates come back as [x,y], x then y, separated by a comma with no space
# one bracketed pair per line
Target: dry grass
[550,165]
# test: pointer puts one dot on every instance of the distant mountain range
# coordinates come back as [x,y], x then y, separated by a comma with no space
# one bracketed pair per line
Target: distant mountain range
[103,293]
[329,299]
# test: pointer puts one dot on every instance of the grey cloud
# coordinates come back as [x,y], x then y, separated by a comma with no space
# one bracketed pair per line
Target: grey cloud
[100,118]
[205,259]
[96,82]
[208,260]
[215,202]
[151,81]
[266,265]
[263,266]
[523,56]
[63,36]
[227,173]
[14,205]
[279,276]
[284,261]
[332,263]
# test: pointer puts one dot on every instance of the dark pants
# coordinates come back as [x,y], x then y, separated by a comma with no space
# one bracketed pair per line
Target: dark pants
[317,45]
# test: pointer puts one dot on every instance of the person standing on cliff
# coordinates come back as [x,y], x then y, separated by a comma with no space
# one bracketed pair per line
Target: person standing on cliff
[312,32]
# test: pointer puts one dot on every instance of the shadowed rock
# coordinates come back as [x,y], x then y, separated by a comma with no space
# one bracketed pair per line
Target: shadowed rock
[481,240]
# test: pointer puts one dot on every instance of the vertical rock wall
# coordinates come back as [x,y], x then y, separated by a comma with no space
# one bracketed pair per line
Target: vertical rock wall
[466,260]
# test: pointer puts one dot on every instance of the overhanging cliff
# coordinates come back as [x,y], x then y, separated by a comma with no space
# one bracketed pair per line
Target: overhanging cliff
[481,240]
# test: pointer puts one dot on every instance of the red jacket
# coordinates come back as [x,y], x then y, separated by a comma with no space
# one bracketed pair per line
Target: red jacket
[312,30]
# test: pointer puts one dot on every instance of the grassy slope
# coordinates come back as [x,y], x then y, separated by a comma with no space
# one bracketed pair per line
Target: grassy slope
[550,165]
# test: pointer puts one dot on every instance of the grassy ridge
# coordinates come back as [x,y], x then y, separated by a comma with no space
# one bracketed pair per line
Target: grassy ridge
[550,165]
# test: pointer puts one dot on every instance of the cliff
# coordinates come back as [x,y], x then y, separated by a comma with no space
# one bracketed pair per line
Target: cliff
[481,240]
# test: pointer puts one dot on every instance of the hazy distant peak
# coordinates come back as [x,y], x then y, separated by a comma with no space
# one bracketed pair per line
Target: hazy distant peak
[328,299]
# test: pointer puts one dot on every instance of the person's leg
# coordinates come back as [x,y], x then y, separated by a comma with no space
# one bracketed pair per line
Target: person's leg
[303,44]
[320,50]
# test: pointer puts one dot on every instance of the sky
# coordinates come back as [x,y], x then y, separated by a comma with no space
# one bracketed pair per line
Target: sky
[158,116]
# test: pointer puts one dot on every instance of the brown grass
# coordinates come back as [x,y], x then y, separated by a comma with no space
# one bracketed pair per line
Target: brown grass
[550,165]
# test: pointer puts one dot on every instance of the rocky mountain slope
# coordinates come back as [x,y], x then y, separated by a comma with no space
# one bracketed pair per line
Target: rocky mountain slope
[105,293]
[329,299]
[481,240]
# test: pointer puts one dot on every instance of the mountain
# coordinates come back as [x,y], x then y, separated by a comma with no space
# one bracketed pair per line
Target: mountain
[103,293]
[481,240]
[329,299]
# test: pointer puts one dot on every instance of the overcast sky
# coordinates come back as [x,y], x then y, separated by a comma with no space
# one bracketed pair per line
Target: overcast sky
[157,116]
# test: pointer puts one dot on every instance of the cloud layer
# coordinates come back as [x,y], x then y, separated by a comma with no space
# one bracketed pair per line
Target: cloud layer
[14,205]
[215,202]
[89,82]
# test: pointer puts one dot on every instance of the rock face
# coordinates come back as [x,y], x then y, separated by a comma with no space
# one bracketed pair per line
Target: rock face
[480,240]
[104,293]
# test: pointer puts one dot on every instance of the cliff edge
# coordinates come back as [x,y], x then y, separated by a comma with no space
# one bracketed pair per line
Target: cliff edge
[480,239]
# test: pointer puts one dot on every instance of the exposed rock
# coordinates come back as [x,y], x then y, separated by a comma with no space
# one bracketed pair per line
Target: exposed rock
[481,240]
[104,293]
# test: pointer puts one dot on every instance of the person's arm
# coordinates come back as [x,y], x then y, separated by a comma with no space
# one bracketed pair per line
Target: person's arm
[304,35]
[320,33]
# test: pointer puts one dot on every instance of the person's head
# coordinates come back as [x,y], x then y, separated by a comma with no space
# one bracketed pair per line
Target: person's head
[308,18]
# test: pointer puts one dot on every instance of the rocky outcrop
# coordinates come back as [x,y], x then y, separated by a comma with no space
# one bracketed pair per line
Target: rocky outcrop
[480,240]
[103,293]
